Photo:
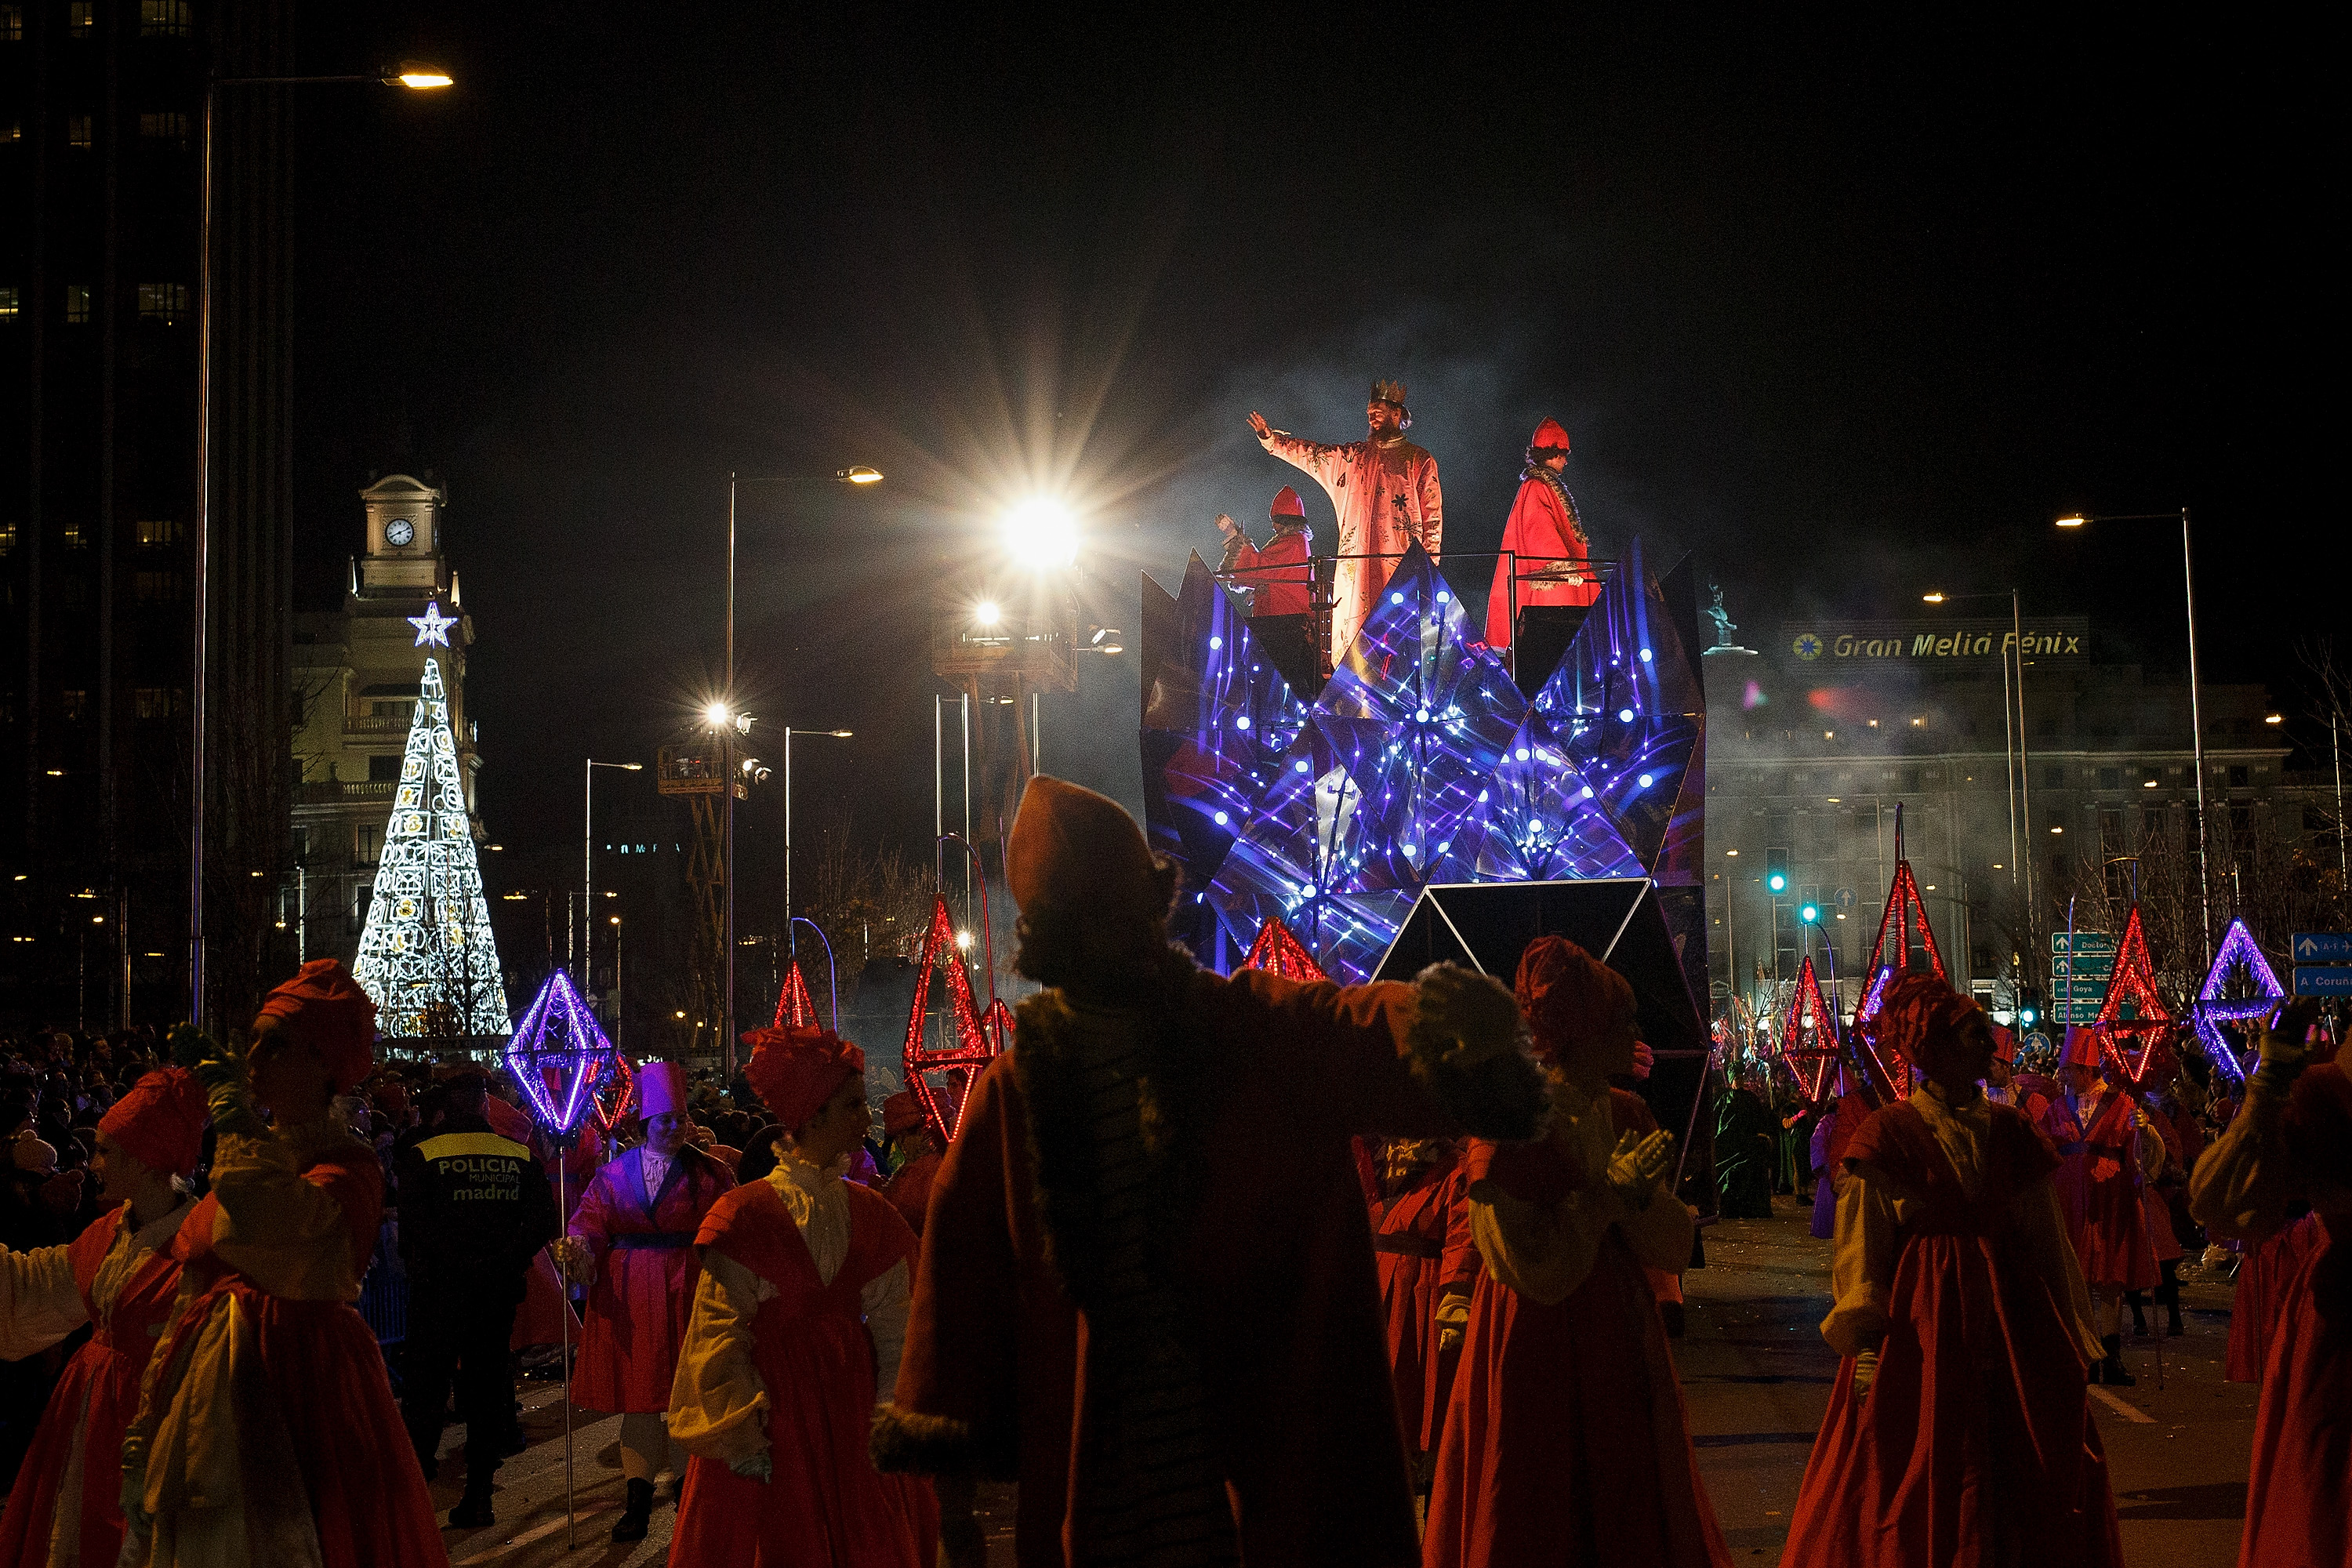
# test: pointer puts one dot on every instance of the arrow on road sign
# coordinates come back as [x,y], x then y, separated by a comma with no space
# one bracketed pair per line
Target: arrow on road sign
[2082,942]
[2322,947]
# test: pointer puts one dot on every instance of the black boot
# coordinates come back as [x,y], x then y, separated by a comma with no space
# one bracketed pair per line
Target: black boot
[635,1517]
[2137,1302]
[2111,1370]
[473,1511]
[2167,1296]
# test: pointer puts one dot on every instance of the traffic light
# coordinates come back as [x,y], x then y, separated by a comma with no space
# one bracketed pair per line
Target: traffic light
[1811,913]
[2029,1011]
[1776,871]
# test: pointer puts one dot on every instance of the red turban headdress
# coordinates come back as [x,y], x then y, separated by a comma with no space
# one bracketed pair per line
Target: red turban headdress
[1567,994]
[1073,850]
[160,1120]
[795,1072]
[2082,1049]
[1918,1008]
[900,1113]
[327,1011]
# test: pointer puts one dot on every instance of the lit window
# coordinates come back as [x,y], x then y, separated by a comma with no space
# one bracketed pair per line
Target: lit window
[155,532]
[74,540]
[11,302]
[164,18]
[164,128]
[73,704]
[77,301]
[81,16]
[158,701]
[159,587]
[7,537]
[12,22]
[77,130]
[165,302]
[364,845]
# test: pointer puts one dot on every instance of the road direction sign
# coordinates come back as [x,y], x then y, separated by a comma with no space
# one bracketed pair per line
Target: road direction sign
[2082,967]
[2322,947]
[1845,898]
[2080,1012]
[2082,942]
[2325,980]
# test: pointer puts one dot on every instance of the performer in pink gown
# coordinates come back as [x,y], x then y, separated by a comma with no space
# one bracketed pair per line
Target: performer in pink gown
[119,1277]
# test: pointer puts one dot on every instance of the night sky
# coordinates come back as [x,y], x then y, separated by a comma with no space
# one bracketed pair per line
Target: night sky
[1849,308]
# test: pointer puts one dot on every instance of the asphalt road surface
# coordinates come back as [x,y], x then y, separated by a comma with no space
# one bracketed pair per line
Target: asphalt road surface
[1754,1372]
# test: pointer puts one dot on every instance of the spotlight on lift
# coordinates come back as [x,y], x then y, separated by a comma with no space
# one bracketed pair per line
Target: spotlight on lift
[1041,534]
[986,614]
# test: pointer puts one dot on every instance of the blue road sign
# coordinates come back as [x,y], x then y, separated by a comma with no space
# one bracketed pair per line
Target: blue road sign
[2083,967]
[2326,980]
[2082,942]
[2322,947]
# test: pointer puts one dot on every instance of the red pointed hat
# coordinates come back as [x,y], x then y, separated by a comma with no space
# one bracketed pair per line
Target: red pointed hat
[1075,851]
[795,1072]
[1286,504]
[327,1011]
[161,1122]
[1548,435]
[2083,1048]
[1567,994]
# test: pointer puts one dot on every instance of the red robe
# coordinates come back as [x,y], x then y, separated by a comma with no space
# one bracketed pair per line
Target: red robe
[318,1380]
[646,1268]
[1280,573]
[1566,1440]
[910,1191]
[2113,1243]
[1286,1304]
[824,1505]
[1976,1443]
[2264,1279]
[95,1396]
[2299,1487]
[1409,1242]
[1542,534]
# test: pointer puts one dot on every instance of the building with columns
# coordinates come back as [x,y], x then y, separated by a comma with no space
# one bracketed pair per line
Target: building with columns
[356,674]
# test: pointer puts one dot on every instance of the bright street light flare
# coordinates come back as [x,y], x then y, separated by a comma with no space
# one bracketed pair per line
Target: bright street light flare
[418,77]
[2076,520]
[986,613]
[859,474]
[1040,534]
[1936,598]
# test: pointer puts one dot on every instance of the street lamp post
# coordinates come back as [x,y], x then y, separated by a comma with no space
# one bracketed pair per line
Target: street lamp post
[2196,713]
[587,959]
[791,937]
[857,474]
[409,75]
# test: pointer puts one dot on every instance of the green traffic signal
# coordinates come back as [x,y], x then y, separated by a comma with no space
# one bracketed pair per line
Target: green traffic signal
[1811,913]
[1777,881]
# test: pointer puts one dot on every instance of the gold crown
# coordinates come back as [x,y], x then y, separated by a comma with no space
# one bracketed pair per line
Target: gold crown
[1388,392]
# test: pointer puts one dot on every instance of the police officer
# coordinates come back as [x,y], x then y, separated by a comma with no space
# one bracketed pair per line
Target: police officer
[474,1211]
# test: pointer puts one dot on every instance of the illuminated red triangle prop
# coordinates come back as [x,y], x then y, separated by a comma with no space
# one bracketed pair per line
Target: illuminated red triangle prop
[1905,916]
[1809,1042]
[795,1009]
[615,1095]
[978,1041]
[2130,1041]
[1277,951]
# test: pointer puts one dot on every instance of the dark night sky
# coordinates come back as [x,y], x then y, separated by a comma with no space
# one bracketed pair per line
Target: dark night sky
[1848,309]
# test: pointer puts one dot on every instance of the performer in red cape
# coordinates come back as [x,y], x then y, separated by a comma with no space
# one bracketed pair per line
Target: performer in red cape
[1117,1304]
[266,1431]
[1279,571]
[1567,1442]
[923,1146]
[1544,539]
[1420,1189]
[2109,1171]
[2292,1143]
[1386,492]
[119,1275]
[798,1318]
[1958,1429]
[633,1235]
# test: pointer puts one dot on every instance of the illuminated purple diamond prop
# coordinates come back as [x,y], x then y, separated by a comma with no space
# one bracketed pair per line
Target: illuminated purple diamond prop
[558,1055]
[2241,988]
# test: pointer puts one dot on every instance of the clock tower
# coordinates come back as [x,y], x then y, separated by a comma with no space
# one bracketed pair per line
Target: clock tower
[403,537]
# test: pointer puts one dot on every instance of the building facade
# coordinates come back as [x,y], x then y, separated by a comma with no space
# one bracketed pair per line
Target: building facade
[101,105]
[2025,787]
[356,673]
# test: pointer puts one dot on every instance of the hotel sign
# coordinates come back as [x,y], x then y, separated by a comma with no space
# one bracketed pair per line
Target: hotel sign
[1847,645]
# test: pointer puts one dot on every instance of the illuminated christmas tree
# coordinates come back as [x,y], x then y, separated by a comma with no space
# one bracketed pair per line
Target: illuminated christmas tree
[426,955]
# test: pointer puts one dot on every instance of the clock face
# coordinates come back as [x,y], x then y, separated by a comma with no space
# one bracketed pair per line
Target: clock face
[399,530]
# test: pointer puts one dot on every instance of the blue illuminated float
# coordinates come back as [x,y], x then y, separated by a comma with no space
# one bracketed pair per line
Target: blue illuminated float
[1419,762]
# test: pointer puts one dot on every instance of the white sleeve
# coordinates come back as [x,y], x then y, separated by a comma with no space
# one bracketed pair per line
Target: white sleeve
[40,1302]
[887,1299]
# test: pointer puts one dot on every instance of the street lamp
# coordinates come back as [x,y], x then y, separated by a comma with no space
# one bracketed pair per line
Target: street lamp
[2196,712]
[415,77]
[830,734]
[2019,762]
[587,956]
[859,476]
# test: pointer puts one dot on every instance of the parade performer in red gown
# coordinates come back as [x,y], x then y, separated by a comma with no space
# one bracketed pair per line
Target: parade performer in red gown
[1544,540]
[119,1277]
[798,1318]
[633,1235]
[1422,1188]
[1278,571]
[1170,1348]
[911,1132]
[267,1430]
[2292,1143]
[1567,1442]
[1386,492]
[1958,1429]
[2109,1171]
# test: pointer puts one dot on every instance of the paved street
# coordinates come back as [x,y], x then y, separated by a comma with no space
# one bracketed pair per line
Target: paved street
[1753,1368]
